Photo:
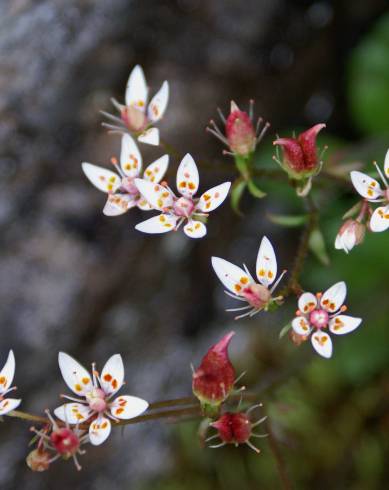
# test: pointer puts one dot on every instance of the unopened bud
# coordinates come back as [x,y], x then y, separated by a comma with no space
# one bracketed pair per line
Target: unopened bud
[240,132]
[233,428]
[351,233]
[38,460]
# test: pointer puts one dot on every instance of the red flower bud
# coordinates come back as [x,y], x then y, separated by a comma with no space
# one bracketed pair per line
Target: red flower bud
[65,441]
[300,154]
[233,428]
[38,460]
[214,379]
[240,132]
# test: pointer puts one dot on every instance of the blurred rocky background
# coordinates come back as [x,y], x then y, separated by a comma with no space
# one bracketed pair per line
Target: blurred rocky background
[74,280]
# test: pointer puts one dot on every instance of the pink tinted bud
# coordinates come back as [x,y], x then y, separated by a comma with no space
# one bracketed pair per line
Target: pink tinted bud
[300,154]
[214,379]
[233,428]
[38,460]
[257,295]
[134,118]
[240,132]
[65,441]
[351,233]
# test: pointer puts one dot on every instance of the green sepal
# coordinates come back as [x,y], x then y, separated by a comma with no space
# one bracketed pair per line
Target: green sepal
[285,330]
[237,191]
[289,221]
[318,247]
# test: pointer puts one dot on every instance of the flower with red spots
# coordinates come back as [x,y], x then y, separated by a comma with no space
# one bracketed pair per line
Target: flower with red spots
[241,137]
[371,190]
[6,377]
[214,379]
[121,189]
[243,287]
[97,391]
[177,210]
[236,428]
[317,313]
[136,116]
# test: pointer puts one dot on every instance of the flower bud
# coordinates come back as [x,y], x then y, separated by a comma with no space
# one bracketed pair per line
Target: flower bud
[214,379]
[65,441]
[300,158]
[233,428]
[240,132]
[38,460]
[351,233]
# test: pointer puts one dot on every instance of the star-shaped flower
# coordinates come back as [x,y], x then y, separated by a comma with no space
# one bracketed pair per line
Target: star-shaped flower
[6,377]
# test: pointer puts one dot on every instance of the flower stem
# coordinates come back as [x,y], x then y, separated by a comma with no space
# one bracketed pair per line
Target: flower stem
[279,459]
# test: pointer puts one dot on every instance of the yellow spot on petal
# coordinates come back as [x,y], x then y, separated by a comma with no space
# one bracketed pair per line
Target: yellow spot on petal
[78,387]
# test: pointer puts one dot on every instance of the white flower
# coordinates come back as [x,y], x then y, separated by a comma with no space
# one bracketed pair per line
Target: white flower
[121,189]
[96,392]
[322,311]
[351,233]
[241,283]
[6,377]
[177,210]
[370,190]
[136,116]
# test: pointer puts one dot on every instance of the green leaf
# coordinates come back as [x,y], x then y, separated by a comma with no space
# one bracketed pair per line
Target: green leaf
[291,220]
[285,330]
[238,188]
[254,190]
[353,210]
[318,247]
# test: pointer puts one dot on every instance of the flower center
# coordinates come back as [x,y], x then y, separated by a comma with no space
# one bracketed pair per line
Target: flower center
[65,441]
[133,118]
[96,400]
[128,185]
[318,318]
[257,295]
[183,206]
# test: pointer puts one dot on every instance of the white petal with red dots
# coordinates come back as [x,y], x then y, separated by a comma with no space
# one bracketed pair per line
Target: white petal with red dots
[367,187]
[156,170]
[112,375]
[101,178]
[118,204]
[195,229]
[334,297]
[73,413]
[99,430]
[187,177]
[156,195]
[301,326]
[136,89]
[7,373]
[266,266]
[322,344]
[150,137]
[307,302]
[213,198]
[74,374]
[233,277]
[130,157]
[9,404]
[127,407]
[342,324]
[158,104]
[158,224]
[379,220]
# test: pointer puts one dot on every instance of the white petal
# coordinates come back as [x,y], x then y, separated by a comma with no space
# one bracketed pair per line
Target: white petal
[101,178]
[307,302]
[322,344]
[8,404]
[266,267]
[156,170]
[233,277]
[158,103]
[213,198]
[342,324]
[150,137]
[195,229]
[127,407]
[118,204]
[112,375]
[157,195]
[144,205]
[187,177]
[367,187]
[301,326]
[73,413]
[130,157]
[75,376]
[136,90]
[379,220]
[99,430]
[386,164]
[158,224]
[7,373]
[334,297]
